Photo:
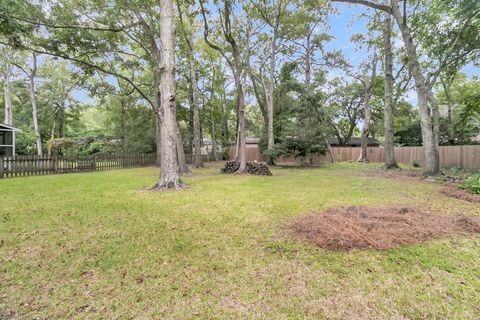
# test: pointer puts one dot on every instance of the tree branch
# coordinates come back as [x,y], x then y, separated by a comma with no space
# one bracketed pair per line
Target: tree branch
[206,32]
[88,64]
[375,6]
[77,27]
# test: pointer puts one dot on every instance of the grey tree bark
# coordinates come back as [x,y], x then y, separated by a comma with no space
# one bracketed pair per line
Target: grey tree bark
[241,124]
[225,136]
[158,141]
[271,85]
[33,99]
[279,8]
[157,104]
[447,88]
[214,142]
[197,143]
[389,147]
[428,113]
[182,161]
[368,85]
[212,118]
[169,178]
[6,97]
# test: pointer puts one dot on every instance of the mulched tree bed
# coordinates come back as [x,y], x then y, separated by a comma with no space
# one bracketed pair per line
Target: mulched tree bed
[344,229]
[455,192]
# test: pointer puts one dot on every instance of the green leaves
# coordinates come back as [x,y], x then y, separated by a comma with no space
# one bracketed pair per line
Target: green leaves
[472,184]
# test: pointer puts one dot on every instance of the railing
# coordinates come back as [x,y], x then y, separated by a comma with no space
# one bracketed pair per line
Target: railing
[22,166]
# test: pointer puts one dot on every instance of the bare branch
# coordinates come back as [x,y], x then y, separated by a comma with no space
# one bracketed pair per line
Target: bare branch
[373,5]
[77,27]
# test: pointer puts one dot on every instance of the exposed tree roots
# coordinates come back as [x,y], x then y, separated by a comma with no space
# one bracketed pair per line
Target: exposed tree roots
[169,187]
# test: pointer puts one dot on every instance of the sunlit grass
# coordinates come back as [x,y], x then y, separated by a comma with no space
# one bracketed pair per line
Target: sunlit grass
[96,245]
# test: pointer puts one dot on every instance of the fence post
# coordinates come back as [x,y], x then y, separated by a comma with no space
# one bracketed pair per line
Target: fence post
[461,157]
[2,167]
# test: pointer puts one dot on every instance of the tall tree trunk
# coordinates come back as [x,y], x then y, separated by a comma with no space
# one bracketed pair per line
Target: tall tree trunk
[368,84]
[7,99]
[61,121]
[158,140]
[271,91]
[237,67]
[237,140]
[197,140]
[389,147]
[182,161]
[169,178]
[366,129]
[33,99]
[214,143]
[241,123]
[212,118]
[224,122]
[435,116]
[330,150]
[351,129]
[52,138]
[157,107]
[123,127]
[262,103]
[429,133]
[447,87]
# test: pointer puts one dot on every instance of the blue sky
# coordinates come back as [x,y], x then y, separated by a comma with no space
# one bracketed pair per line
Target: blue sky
[344,24]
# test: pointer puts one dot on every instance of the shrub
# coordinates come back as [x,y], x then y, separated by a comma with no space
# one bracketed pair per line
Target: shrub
[416,164]
[472,184]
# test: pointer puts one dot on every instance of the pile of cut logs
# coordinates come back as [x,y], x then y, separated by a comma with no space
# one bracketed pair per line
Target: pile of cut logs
[230,167]
[258,168]
[253,167]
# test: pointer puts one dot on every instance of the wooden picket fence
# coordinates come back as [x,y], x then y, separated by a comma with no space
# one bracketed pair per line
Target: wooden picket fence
[22,166]
[466,156]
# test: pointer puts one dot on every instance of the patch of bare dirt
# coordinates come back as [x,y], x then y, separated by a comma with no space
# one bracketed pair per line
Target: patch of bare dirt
[344,229]
[455,192]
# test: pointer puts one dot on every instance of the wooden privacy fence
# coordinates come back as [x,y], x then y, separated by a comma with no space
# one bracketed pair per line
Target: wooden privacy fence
[189,158]
[467,156]
[21,166]
[253,152]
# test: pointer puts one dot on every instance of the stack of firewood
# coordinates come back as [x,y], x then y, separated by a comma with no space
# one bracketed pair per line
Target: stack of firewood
[258,168]
[253,167]
[230,167]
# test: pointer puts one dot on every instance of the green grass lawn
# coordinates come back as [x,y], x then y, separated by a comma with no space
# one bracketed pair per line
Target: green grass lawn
[96,246]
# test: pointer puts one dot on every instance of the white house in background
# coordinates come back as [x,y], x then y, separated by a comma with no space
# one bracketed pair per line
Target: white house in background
[7,140]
